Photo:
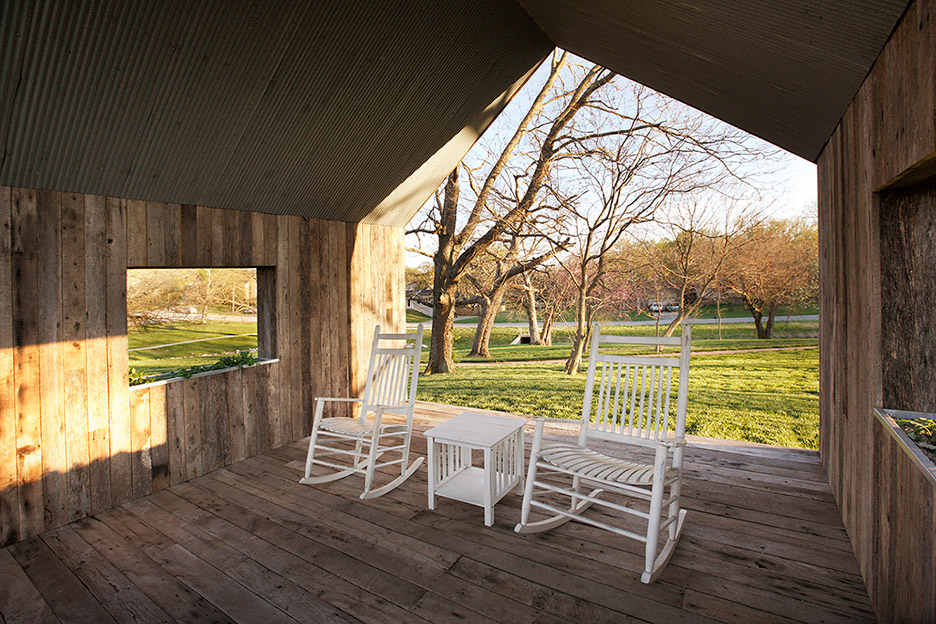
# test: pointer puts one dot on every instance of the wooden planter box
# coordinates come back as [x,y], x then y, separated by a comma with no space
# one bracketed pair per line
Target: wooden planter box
[888,418]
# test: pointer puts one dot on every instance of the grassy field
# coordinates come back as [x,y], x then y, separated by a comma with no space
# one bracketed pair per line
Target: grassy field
[770,397]
[154,361]
[704,338]
[412,316]
[706,312]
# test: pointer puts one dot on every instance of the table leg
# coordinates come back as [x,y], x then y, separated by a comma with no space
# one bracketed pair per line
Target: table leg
[518,441]
[432,473]
[488,488]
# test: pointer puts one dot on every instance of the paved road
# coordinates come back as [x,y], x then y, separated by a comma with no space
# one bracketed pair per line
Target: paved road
[664,321]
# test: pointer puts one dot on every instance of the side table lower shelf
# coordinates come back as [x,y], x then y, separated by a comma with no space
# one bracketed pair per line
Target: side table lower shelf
[467,486]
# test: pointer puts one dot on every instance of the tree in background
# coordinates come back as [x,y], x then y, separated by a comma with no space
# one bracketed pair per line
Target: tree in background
[660,151]
[700,234]
[543,295]
[777,265]
[491,278]
[152,295]
[554,137]
[160,295]
[419,277]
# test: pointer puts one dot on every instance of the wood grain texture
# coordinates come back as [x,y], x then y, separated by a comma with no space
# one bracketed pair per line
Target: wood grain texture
[26,371]
[159,437]
[74,338]
[869,354]
[172,237]
[96,351]
[141,459]
[63,345]
[51,376]
[155,234]
[188,236]
[175,431]
[137,221]
[117,359]
[908,286]
[9,498]
[204,236]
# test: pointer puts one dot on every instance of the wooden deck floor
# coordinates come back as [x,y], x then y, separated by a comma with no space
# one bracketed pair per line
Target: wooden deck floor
[763,543]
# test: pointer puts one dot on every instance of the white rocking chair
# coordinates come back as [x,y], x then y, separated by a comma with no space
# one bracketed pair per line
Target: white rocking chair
[627,401]
[390,388]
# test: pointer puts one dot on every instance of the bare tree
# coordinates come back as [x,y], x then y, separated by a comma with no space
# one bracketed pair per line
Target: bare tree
[491,280]
[662,150]
[777,266]
[701,234]
[457,249]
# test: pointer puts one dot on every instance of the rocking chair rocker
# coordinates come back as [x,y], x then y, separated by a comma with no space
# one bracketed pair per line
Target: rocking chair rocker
[390,389]
[627,401]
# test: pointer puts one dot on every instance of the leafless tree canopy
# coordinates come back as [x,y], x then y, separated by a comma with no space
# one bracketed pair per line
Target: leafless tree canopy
[593,157]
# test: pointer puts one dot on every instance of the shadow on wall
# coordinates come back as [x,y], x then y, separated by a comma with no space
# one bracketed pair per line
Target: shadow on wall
[57,470]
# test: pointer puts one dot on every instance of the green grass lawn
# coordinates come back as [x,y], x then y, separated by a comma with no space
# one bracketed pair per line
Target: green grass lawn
[154,361]
[770,397]
[704,338]
[412,316]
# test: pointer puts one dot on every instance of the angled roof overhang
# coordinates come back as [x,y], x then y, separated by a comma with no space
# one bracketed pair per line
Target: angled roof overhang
[350,111]
[782,70]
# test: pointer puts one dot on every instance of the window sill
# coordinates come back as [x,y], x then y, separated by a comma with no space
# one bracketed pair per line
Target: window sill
[163,382]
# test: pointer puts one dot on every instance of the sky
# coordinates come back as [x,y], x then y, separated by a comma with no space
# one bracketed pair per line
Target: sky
[793,180]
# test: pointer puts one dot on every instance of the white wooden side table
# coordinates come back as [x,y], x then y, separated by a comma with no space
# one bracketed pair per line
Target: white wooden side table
[451,473]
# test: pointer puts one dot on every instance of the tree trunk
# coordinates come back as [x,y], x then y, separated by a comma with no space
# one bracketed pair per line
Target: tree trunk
[680,317]
[574,363]
[757,314]
[443,328]
[528,300]
[486,320]
[546,332]
[768,329]
[718,313]
[487,313]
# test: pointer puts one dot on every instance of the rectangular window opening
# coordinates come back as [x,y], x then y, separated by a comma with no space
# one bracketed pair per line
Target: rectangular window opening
[184,322]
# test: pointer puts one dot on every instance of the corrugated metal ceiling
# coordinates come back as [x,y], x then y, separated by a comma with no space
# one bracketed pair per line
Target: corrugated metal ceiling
[319,109]
[783,70]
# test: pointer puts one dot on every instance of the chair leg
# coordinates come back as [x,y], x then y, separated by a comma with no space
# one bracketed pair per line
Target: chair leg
[656,513]
[405,452]
[531,476]
[313,439]
[674,510]
[358,460]
[576,487]
[371,462]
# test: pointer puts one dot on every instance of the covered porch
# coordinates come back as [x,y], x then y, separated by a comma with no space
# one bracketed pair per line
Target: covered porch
[764,543]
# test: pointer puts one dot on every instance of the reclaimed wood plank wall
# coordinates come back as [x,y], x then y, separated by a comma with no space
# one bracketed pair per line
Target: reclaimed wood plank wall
[887,137]
[75,439]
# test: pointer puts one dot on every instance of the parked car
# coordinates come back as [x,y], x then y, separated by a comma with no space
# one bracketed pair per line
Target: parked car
[672,307]
[655,307]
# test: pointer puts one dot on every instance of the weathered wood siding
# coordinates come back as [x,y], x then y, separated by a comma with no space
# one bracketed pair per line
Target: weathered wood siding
[74,437]
[887,137]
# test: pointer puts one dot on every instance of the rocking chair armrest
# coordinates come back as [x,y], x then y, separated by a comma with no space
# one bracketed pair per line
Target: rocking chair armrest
[558,421]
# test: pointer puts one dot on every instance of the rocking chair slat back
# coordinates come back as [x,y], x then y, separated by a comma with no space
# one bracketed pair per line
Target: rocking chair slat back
[393,370]
[630,396]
